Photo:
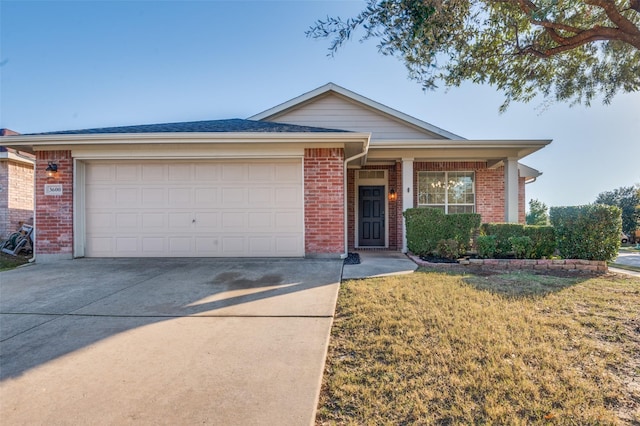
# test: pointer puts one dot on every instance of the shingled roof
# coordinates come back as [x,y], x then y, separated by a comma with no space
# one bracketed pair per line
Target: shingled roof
[234,125]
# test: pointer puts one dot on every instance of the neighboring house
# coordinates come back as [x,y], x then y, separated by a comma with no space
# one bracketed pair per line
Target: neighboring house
[322,174]
[16,188]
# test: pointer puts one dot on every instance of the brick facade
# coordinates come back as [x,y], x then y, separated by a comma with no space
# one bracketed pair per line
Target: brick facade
[16,196]
[54,213]
[324,201]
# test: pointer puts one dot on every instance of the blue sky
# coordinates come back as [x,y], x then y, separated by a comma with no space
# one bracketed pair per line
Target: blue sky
[83,64]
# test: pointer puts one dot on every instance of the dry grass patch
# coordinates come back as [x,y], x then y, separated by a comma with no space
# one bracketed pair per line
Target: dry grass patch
[433,348]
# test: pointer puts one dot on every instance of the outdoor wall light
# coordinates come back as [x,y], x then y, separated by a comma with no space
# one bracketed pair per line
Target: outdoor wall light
[51,169]
[392,195]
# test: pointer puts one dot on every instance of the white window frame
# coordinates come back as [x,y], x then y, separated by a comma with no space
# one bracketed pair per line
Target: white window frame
[446,190]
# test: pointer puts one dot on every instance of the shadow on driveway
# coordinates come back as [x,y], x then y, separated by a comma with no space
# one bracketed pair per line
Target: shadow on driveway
[235,341]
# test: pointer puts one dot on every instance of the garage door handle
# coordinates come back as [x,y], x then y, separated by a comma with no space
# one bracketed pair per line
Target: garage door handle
[193,221]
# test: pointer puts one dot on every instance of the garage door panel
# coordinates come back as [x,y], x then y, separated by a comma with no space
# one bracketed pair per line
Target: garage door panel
[179,172]
[153,173]
[212,208]
[126,172]
[180,196]
[127,221]
[101,221]
[153,221]
[235,172]
[288,173]
[126,244]
[153,197]
[234,220]
[127,197]
[101,198]
[207,172]
[153,246]
[206,197]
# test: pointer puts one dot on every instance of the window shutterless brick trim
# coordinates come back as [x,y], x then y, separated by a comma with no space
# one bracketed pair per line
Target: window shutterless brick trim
[324,200]
[489,187]
[54,213]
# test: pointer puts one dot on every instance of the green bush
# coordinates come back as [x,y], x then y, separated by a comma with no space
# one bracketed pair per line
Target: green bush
[502,232]
[449,249]
[521,246]
[590,232]
[426,227]
[486,245]
[543,240]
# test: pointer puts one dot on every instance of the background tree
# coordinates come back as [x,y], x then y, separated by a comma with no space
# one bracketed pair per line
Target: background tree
[628,199]
[537,214]
[564,50]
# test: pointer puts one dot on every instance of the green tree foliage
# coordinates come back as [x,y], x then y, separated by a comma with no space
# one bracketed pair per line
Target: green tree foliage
[564,50]
[628,199]
[537,214]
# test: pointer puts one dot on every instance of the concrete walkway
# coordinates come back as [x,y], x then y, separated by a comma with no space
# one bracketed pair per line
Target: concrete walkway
[378,264]
[628,258]
[165,341]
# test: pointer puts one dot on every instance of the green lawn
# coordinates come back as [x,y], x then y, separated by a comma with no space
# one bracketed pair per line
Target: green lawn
[9,262]
[437,348]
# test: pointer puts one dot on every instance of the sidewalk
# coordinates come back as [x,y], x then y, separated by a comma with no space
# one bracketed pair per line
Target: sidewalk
[379,264]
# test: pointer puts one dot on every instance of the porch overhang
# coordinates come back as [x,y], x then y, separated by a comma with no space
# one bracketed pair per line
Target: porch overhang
[492,151]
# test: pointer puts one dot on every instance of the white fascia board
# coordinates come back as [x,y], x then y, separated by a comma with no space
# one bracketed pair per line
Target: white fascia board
[520,148]
[28,143]
[358,98]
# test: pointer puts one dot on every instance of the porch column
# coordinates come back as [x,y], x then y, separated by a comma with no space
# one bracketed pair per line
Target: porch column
[511,190]
[407,195]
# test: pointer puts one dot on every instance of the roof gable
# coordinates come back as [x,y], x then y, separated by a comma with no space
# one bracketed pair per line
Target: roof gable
[338,108]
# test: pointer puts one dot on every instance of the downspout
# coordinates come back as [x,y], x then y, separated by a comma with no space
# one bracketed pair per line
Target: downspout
[365,151]
[34,234]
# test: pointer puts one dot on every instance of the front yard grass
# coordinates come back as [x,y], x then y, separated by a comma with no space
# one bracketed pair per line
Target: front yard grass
[508,348]
[9,262]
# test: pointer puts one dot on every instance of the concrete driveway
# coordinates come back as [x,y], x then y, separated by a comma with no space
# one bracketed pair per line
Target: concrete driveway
[165,341]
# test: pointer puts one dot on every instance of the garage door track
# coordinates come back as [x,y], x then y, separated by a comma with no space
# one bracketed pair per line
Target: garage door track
[165,341]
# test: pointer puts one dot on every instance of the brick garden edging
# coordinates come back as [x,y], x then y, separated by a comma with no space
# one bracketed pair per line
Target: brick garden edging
[578,265]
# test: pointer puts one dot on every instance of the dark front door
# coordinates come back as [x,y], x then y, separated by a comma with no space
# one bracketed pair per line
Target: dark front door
[371,216]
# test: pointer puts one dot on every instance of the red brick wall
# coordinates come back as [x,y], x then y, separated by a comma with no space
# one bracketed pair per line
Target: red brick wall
[489,187]
[54,214]
[490,194]
[16,196]
[324,200]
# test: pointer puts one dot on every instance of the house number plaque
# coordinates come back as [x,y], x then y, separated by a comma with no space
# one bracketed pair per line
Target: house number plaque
[53,189]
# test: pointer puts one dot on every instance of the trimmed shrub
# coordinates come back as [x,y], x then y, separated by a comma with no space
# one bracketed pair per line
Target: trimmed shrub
[449,249]
[543,240]
[590,232]
[426,227]
[521,246]
[502,232]
[486,245]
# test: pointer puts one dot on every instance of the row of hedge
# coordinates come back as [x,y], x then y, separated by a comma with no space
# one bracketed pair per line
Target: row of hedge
[589,232]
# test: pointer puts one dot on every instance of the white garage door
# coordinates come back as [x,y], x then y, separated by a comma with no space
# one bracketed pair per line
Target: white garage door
[194,208]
